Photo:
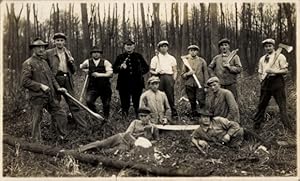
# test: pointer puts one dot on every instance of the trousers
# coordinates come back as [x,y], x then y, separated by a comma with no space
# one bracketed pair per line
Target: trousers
[195,94]
[166,84]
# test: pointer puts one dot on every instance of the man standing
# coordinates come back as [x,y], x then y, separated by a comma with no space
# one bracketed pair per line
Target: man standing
[217,130]
[130,67]
[62,65]
[164,66]
[100,71]
[221,102]
[39,80]
[271,69]
[199,68]
[226,71]
[156,101]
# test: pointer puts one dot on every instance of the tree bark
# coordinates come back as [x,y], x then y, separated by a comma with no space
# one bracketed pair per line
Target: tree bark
[86,33]
[105,161]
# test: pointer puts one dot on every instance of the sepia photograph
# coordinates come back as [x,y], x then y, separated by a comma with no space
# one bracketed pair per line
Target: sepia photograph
[149,89]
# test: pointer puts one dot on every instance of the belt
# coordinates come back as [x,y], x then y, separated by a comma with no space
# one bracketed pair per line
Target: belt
[62,74]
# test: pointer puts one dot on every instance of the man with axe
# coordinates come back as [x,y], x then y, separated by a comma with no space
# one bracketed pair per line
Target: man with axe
[272,66]
[99,72]
[226,66]
[195,75]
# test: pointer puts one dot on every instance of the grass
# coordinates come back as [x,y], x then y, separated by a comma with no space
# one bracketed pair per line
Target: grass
[221,160]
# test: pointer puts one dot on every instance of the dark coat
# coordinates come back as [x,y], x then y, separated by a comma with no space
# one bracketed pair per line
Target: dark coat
[53,61]
[131,78]
[36,71]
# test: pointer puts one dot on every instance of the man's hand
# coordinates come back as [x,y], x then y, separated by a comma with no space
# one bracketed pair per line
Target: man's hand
[63,90]
[271,71]
[123,66]
[45,88]
[191,72]
[226,65]
[96,74]
[226,138]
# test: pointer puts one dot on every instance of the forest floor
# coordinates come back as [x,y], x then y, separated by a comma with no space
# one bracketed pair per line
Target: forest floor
[175,146]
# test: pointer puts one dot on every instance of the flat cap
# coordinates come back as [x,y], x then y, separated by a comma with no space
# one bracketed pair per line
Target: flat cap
[59,35]
[195,47]
[224,40]
[144,110]
[161,43]
[96,49]
[268,40]
[129,42]
[153,79]
[37,42]
[212,80]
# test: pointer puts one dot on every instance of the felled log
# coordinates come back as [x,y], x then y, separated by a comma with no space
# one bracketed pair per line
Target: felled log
[105,161]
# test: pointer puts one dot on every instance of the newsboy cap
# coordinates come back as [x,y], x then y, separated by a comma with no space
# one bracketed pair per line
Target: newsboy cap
[59,35]
[161,43]
[38,42]
[195,47]
[153,79]
[224,40]
[96,49]
[212,80]
[129,42]
[268,41]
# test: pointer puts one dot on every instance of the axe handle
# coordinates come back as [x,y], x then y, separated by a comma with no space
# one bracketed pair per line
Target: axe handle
[84,87]
[97,116]
[186,63]
[277,53]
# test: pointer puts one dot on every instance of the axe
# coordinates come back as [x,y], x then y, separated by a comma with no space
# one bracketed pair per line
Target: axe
[277,53]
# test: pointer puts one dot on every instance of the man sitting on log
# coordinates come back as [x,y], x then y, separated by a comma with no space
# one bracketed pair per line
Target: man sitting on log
[125,140]
[217,130]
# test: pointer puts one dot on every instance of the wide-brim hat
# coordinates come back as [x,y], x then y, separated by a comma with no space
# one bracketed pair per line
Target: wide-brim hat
[161,43]
[205,113]
[224,40]
[268,41]
[96,49]
[59,35]
[38,42]
[194,47]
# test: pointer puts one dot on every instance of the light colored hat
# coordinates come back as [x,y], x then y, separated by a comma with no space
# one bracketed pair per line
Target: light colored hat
[195,47]
[212,80]
[161,43]
[153,79]
[269,40]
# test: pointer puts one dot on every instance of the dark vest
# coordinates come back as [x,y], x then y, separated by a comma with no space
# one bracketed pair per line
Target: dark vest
[100,82]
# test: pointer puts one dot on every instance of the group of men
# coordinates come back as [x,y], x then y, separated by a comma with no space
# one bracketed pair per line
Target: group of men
[48,76]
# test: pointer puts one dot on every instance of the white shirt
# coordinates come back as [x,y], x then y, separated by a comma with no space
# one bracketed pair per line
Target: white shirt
[163,63]
[107,64]
[62,61]
[279,64]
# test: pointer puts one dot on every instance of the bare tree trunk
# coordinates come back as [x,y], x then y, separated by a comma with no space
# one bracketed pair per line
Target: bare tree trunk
[86,33]
[27,31]
[125,34]
[185,29]
[203,45]
[145,33]
[156,24]
[214,36]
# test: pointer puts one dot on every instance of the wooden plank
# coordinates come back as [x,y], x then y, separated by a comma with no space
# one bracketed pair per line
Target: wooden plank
[177,127]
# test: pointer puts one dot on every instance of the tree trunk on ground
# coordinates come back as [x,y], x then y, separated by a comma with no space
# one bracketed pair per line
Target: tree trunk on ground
[105,161]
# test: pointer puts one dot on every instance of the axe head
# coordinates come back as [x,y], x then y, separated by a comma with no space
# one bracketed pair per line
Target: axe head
[286,47]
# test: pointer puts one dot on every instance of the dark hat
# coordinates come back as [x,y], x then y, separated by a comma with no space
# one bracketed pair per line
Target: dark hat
[212,80]
[268,41]
[161,43]
[129,42]
[224,40]
[96,49]
[205,113]
[59,35]
[37,42]
[144,111]
[195,47]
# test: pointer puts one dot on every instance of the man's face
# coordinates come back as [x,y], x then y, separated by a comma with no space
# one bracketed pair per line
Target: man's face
[215,86]
[163,49]
[129,47]
[96,55]
[154,86]
[224,47]
[144,117]
[205,121]
[269,48]
[59,42]
[39,50]
[193,52]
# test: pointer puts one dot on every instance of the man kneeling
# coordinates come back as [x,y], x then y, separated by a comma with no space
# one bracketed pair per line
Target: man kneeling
[125,140]
[217,130]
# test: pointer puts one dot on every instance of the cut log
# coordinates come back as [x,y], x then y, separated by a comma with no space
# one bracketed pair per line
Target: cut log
[177,127]
[105,161]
